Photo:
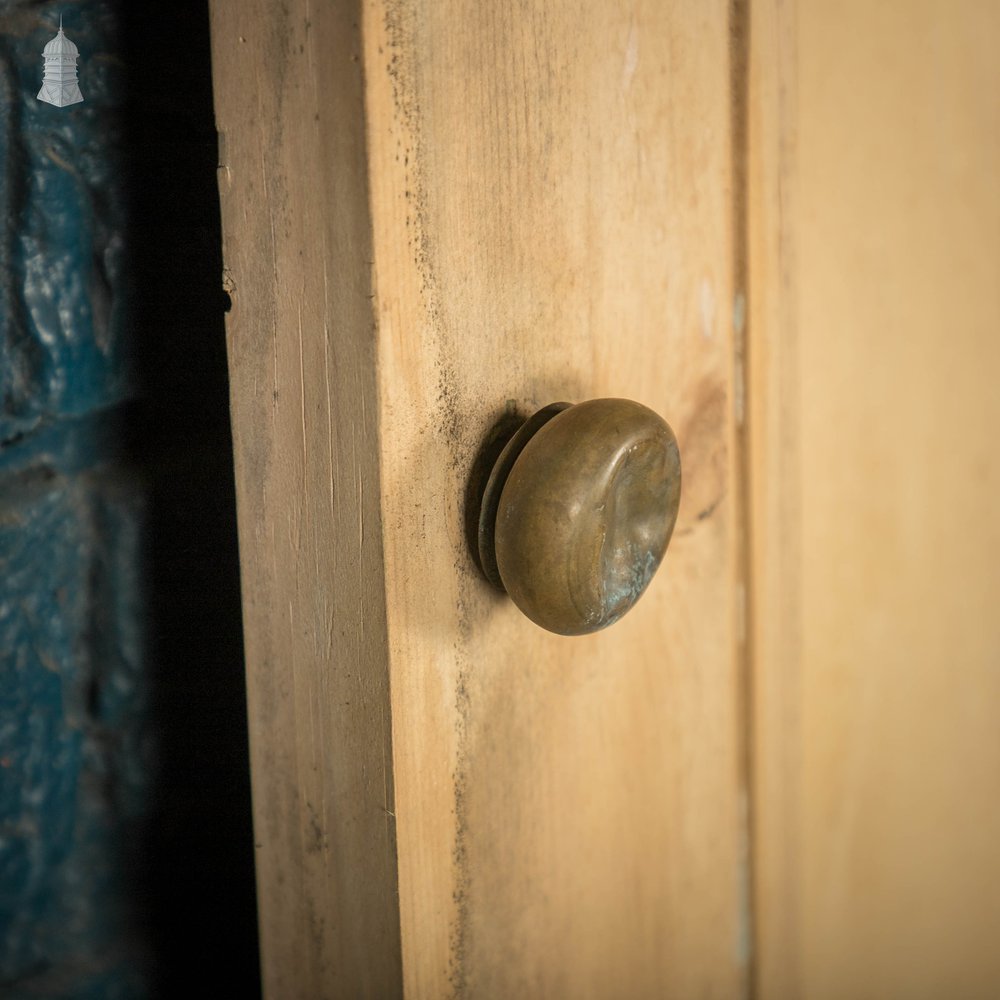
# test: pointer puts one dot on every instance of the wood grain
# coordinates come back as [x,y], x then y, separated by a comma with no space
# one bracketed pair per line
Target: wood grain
[875,249]
[436,215]
[293,182]
[552,211]
[775,481]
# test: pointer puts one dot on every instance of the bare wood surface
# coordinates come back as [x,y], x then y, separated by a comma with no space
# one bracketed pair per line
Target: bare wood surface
[297,248]
[474,210]
[552,208]
[875,249]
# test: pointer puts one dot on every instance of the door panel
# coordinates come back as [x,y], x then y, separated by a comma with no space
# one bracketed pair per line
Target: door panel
[553,216]
[874,256]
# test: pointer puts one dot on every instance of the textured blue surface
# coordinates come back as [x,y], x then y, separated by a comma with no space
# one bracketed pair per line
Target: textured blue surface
[126,859]
[63,212]
[76,757]
[75,767]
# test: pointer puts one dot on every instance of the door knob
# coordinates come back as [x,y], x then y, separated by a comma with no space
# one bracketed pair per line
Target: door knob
[578,510]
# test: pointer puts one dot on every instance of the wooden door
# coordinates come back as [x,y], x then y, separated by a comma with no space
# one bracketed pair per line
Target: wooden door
[435,215]
[775,224]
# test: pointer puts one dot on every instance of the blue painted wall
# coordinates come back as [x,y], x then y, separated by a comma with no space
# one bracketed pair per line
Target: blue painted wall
[125,842]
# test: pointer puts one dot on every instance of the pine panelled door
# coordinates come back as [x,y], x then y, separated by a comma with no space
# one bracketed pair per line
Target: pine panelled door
[777,225]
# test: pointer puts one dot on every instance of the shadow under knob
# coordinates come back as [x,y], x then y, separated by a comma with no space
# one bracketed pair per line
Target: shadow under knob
[578,510]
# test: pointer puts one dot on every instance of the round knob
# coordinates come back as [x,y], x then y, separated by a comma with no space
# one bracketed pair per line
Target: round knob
[578,510]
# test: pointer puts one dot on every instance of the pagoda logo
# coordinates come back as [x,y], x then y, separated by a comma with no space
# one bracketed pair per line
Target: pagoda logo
[59,86]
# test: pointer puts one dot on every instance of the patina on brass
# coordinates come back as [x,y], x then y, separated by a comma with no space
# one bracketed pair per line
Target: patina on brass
[578,512]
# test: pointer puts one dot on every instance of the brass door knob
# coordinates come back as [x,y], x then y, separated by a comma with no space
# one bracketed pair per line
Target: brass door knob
[578,510]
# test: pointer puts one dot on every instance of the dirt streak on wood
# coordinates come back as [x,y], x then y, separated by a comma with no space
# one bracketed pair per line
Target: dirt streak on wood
[552,204]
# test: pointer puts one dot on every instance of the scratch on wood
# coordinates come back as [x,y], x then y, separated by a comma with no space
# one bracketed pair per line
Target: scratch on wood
[302,402]
[326,371]
[274,366]
[274,268]
[329,409]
